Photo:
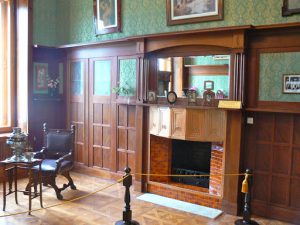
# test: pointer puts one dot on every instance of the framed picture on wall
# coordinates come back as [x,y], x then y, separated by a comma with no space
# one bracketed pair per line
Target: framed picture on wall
[193,11]
[290,7]
[107,16]
[291,84]
[40,78]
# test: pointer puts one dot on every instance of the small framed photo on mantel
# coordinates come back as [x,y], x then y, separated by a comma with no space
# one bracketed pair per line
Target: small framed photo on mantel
[192,96]
[107,16]
[152,97]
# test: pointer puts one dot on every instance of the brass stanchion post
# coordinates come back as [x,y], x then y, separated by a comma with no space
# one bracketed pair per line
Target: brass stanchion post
[127,213]
[246,188]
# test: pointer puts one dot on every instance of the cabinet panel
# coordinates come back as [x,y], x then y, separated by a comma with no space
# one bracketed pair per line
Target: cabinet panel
[178,123]
[215,125]
[195,124]
[77,71]
[153,120]
[164,122]
[99,112]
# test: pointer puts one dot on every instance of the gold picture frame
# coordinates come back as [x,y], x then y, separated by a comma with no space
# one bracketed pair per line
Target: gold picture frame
[194,11]
[107,16]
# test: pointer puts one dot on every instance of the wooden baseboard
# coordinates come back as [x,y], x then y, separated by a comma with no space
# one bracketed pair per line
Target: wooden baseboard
[229,207]
[97,172]
[275,212]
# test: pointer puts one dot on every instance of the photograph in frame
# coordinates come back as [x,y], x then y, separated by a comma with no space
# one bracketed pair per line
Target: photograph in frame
[152,96]
[40,78]
[290,7]
[192,95]
[107,16]
[291,84]
[193,11]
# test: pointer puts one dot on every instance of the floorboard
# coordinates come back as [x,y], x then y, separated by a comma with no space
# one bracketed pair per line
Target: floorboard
[104,207]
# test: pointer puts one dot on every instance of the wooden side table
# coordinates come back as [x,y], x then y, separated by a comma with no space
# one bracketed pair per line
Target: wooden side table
[10,169]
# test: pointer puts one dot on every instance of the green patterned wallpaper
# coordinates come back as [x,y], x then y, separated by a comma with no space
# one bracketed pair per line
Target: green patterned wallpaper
[272,67]
[44,22]
[59,22]
[127,75]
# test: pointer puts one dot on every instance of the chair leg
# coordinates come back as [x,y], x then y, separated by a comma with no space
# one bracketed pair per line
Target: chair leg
[71,183]
[52,182]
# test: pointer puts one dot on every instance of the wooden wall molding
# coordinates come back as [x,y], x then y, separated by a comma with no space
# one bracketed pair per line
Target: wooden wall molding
[227,39]
[275,41]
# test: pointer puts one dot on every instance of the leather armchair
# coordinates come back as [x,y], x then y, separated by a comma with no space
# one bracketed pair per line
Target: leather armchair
[58,157]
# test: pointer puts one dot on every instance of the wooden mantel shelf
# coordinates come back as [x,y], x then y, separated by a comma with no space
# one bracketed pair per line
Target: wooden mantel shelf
[187,106]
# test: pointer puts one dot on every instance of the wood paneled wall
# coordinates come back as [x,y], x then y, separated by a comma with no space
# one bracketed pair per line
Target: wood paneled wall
[271,143]
[106,125]
[273,151]
[126,137]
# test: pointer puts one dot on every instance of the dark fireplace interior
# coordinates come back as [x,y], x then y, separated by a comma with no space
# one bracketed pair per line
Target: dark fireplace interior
[191,158]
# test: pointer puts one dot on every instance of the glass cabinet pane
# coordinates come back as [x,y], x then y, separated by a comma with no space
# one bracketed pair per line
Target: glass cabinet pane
[77,73]
[127,76]
[102,74]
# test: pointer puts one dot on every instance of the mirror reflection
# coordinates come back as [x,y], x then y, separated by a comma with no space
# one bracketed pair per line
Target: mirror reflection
[199,73]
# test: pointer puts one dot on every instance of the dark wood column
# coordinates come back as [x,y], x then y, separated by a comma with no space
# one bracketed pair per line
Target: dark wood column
[232,162]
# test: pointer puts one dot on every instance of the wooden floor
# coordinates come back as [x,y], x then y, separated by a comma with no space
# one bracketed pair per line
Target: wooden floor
[104,207]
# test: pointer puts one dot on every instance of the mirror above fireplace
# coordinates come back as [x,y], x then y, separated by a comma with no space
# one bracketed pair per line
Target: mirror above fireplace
[199,73]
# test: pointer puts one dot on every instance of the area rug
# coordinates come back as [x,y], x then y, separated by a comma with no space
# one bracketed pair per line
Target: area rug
[180,205]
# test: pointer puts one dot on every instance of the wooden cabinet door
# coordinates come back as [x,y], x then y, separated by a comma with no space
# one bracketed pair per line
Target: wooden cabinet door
[164,122]
[77,106]
[100,114]
[194,124]
[215,125]
[153,121]
[178,123]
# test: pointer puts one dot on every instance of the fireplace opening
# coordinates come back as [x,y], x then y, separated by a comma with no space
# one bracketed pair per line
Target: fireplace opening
[191,158]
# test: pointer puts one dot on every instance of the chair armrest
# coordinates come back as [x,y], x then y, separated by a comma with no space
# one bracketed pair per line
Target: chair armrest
[41,154]
[59,161]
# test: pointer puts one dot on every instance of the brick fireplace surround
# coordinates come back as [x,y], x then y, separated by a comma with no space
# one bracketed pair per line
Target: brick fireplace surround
[160,163]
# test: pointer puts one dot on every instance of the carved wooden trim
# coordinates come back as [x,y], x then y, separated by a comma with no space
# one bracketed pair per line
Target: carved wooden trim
[238,77]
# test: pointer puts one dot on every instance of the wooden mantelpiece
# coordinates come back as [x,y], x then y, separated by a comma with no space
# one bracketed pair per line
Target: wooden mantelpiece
[188,124]
[205,125]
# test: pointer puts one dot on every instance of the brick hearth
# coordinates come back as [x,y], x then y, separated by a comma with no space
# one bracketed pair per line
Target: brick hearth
[160,163]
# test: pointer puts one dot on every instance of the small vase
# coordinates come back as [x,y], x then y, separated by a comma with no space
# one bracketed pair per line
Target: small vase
[52,92]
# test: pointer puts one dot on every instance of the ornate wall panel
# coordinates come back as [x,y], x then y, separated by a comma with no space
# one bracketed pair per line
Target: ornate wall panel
[273,152]
[271,69]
